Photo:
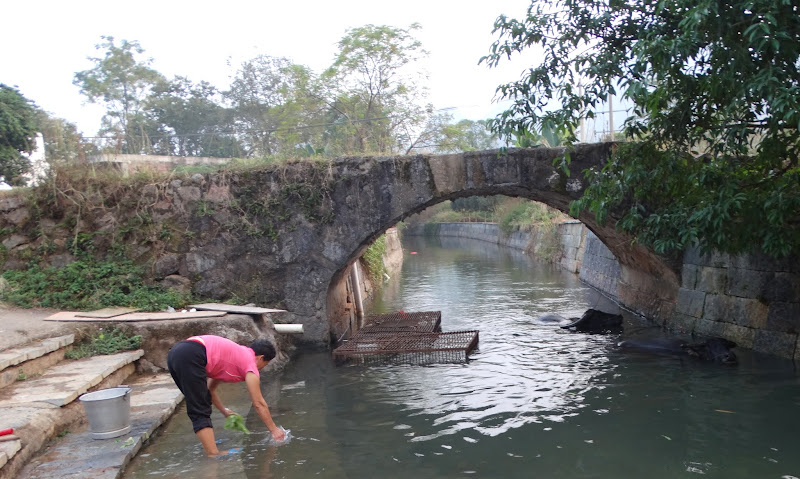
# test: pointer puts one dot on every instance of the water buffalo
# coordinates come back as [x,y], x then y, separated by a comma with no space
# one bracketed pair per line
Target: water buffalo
[595,321]
[712,349]
[555,319]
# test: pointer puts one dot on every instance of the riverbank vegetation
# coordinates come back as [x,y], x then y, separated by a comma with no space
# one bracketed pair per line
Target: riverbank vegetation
[86,284]
[104,341]
[510,213]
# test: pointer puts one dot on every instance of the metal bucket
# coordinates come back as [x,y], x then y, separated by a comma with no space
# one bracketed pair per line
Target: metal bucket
[108,411]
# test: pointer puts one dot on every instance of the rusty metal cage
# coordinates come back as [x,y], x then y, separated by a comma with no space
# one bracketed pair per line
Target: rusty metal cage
[420,321]
[408,347]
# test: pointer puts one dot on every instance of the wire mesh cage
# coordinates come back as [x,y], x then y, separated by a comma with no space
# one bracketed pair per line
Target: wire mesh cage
[408,347]
[420,321]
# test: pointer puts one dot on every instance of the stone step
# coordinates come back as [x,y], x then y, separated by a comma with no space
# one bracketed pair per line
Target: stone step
[32,360]
[38,409]
[8,448]
[76,455]
[63,383]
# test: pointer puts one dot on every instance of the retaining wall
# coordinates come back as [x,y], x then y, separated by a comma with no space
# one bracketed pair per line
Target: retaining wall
[599,266]
[752,300]
[564,246]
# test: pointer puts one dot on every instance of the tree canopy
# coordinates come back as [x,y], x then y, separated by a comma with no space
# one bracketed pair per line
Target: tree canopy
[714,139]
[371,99]
[375,99]
[122,81]
[18,128]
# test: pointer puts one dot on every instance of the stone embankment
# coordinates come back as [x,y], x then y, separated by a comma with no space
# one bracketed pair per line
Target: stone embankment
[749,299]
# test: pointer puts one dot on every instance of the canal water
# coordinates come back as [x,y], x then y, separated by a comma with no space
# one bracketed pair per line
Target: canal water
[534,401]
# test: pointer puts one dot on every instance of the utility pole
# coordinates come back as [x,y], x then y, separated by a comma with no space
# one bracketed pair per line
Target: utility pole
[583,119]
[611,116]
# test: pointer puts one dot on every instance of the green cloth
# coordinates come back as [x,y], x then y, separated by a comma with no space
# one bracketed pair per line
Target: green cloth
[236,423]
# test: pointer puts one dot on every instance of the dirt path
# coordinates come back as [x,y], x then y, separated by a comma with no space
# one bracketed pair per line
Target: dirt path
[19,326]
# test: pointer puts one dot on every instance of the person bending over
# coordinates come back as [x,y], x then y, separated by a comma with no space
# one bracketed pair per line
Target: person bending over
[198,364]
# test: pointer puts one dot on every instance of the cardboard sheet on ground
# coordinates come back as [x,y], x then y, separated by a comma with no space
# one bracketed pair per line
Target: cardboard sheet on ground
[230,308]
[107,312]
[78,316]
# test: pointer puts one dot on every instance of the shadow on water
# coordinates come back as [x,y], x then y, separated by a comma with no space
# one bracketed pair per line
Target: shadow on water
[535,401]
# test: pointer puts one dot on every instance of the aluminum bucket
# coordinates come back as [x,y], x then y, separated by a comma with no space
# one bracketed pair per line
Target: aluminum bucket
[108,411]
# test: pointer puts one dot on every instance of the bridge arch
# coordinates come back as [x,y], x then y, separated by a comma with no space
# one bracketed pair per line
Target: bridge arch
[372,195]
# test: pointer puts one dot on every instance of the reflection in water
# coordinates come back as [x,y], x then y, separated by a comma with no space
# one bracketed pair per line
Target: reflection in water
[534,401]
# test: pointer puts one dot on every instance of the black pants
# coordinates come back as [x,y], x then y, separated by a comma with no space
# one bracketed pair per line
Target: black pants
[187,365]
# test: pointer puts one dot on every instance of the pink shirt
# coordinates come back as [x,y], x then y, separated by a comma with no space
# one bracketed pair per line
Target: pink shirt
[226,360]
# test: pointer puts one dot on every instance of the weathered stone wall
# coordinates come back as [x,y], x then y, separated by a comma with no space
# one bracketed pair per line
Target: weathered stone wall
[393,257]
[568,237]
[600,268]
[131,163]
[574,241]
[752,300]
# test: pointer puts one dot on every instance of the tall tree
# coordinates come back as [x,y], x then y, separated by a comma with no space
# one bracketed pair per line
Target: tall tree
[190,119]
[62,140]
[376,96]
[274,103]
[121,81]
[442,135]
[716,94]
[18,128]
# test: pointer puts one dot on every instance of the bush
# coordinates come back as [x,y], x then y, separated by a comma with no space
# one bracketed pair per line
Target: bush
[85,285]
[109,341]
[527,214]
[373,258]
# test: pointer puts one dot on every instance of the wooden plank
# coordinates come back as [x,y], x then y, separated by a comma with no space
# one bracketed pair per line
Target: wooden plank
[163,316]
[107,312]
[68,316]
[230,308]
[74,316]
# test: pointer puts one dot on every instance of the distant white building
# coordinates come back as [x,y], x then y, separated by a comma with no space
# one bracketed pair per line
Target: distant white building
[39,165]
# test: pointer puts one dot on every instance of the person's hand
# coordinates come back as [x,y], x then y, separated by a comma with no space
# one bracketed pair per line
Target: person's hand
[278,435]
[227,412]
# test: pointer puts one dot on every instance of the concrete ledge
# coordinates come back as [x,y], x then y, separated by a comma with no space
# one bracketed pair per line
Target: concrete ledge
[77,455]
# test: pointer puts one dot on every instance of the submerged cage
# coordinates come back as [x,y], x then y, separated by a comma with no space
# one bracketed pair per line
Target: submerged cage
[421,322]
[408,347]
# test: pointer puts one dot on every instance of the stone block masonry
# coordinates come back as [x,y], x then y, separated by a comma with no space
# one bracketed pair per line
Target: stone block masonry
[600,268]
[753,300]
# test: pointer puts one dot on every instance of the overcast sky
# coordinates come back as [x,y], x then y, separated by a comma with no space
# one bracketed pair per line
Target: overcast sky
[44,43]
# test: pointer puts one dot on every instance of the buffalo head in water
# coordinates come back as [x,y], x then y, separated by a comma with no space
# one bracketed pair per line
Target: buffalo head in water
[712,349]
[594,321]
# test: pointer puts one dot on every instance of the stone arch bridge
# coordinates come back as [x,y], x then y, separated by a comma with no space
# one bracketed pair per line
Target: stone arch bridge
[299,266]
[285,236]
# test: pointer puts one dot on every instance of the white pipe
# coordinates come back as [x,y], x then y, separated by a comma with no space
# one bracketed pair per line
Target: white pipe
[289,328]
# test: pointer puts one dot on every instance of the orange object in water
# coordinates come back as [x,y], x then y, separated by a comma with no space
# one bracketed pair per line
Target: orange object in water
[413,252]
